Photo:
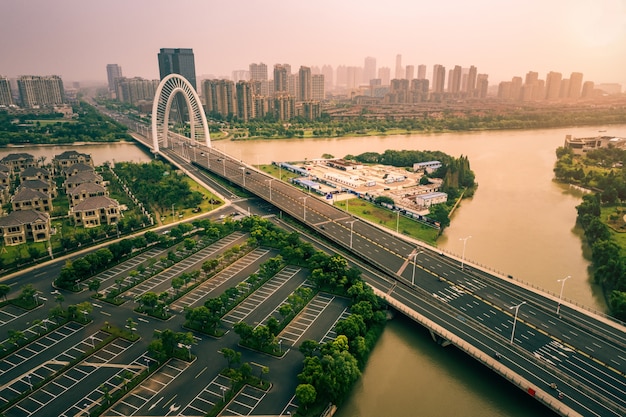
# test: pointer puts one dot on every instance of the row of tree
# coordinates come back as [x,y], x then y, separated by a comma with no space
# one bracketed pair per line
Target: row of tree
[601,170]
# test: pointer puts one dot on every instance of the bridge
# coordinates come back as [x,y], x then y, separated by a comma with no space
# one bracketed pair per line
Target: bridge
[569,359]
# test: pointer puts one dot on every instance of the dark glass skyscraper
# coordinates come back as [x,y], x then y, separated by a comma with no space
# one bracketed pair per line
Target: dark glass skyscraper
[178,61]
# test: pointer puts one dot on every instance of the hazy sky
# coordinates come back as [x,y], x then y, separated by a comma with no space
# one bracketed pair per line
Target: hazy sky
[76,39]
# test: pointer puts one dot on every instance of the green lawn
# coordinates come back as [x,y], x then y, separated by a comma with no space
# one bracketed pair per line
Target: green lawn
[390,220]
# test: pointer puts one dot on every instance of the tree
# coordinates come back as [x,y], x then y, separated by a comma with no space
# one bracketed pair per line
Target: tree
[306,395]
[232,357]
[177,283]
[4,291]
[94,285]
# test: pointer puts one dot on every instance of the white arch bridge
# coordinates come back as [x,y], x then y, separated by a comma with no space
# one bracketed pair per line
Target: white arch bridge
[172,86]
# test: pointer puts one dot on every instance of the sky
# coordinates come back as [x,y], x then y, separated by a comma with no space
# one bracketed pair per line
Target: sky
[76,39]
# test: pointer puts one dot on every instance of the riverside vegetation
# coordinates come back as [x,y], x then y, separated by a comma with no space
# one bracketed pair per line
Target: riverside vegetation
[602,215]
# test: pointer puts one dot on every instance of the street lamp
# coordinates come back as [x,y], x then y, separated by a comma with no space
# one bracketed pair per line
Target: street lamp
[223,393]
[351,230]
[147,362]
[414,255]
[464,239]
[270,182]
[29,381]
[304,206]
[397,220]
[515,319]
[562,281]
[280,346]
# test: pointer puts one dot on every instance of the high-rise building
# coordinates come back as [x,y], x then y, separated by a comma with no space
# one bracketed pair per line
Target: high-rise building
[353,77]
[114,72]
[421,72]
[588,88]
[6,98]
[454,82]
[245,102]
[342,76]
[219,96]
[553,85]
[564,90]
[516,88]
[240,75]
[281,81]
[369,69]
[318,87]
[38,91]
[470,86]
[305,86]
[133,90]
[178,61]
[327,72]
[258,72]
[575,85]
[384,73]
[482,85]
[531,77]
[439,78]
[409,72]
[399,69]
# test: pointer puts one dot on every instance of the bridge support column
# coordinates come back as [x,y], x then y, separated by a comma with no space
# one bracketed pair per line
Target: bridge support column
[439,340]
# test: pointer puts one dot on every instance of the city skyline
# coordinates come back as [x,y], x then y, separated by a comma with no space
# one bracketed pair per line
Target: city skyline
[76,40]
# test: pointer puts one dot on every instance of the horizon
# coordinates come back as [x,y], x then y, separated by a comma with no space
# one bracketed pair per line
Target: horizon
[76,40]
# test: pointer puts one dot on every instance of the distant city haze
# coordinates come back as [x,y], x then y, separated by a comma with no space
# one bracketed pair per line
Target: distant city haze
[76,39]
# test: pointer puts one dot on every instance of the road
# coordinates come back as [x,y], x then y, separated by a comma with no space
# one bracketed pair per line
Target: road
[583,354]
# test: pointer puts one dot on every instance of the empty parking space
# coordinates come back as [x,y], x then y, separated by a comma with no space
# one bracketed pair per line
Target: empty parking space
[200,293]
[298,326]
[142,395]
[259,296]
[9,313]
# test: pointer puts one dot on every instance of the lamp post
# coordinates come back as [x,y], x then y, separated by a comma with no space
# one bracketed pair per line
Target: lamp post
[515,319]
[351,230]
[303,206]
[414,255]
[223,393]
[464,239]
[280,346]
[29,381]
[562,281]
[270,182]
[397,221]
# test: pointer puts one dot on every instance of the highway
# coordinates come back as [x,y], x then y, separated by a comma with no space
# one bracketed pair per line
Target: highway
[583,355]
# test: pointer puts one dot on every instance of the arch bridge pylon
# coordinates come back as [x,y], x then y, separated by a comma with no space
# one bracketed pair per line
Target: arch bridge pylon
[170,87]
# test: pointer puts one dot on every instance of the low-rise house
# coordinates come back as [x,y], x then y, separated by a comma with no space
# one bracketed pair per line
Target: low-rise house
[5,194]
[95,211]
[69,158]
[24,226]
[35,173]
[39,185]
[18,161]
[76,169]
[82,178]
[5,179]
[28,199]
[85,191]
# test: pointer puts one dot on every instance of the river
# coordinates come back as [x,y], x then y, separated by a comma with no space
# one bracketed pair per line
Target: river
[520,222]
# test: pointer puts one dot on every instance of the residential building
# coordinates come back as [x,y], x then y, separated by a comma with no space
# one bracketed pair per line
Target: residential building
[399,70]
[430,199]
[17,162]
[305,84]
[35,173]
[114,72]
[219,96]
[553,85]
[318,87]
[25,226]
[76,169]
[384,73]
[439,78]
[329,79]
[43,187]
[40,91]
[281,73]
[6,98]
[244,101]
[81,178]
[369,69]
[27,199]
[95,211]
[258,72]
[136,89]
[85,191]
[409,72]
[482,85]
[69,158]
[421,72]
[284,106]
[575,85]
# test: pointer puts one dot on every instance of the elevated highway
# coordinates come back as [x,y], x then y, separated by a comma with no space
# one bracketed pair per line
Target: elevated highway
[573,361]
